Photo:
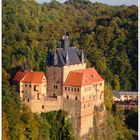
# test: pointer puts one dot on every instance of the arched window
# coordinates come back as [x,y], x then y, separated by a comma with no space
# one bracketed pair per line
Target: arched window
[76,98]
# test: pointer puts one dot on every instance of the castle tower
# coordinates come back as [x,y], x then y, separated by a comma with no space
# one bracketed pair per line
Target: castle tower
[81,89]
[64,60]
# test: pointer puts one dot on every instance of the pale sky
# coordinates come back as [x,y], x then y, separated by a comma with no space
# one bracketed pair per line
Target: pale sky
[110,2]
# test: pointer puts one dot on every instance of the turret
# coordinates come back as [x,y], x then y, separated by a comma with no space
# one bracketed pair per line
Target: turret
[65,44]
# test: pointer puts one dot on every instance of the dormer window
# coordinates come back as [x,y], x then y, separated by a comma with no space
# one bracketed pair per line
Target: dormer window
[93,76]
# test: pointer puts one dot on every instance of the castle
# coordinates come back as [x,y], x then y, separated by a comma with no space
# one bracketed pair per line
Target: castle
[67,84]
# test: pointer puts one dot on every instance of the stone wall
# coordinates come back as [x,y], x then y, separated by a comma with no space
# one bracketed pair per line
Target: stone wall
[54,81]
[29,91]
[80,103]
[45,104]
[67,69]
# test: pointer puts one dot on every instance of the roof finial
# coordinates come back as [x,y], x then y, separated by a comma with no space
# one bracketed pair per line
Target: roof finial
[65,36]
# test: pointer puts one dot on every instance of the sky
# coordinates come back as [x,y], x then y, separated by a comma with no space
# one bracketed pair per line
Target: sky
[109,2]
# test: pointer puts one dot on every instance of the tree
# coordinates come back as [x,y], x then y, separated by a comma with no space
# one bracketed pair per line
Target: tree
[108,97]
[132,119]
[5,128]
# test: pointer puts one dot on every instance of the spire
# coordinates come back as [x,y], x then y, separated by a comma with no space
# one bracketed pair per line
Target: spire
[55,59]
[67,58]
[82,57]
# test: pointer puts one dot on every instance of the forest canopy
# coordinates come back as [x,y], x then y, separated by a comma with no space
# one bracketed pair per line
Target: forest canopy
[107,34]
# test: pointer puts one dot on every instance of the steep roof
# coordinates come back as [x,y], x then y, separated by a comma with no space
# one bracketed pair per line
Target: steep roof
[29,77]
[65,55]
[72,54]
[83,77]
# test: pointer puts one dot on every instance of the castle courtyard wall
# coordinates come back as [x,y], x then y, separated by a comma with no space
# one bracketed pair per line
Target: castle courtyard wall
[45,104]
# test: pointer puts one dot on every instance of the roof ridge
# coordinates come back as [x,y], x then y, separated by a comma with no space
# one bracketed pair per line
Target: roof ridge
[24,76]
[83,75]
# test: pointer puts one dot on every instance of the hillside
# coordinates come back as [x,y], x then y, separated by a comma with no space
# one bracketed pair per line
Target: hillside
[107,34]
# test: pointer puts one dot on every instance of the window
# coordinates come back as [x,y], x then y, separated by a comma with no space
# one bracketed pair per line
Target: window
[68,88]
[125,96]
[83,98]
[100,84]
[71,89]
[44,85]
[84,106]
[77,89]
[25,85]
[28,100]
[65,88]
[30,86]
[38,96]
[67,97]
[34,87]
[42,106]
[22,91]
[55,86]
[76,98]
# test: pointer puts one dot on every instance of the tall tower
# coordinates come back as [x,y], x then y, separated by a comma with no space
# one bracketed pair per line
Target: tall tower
[64,60]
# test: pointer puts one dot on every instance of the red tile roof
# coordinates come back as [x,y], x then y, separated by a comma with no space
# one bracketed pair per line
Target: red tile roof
[83,77]
[29,77]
